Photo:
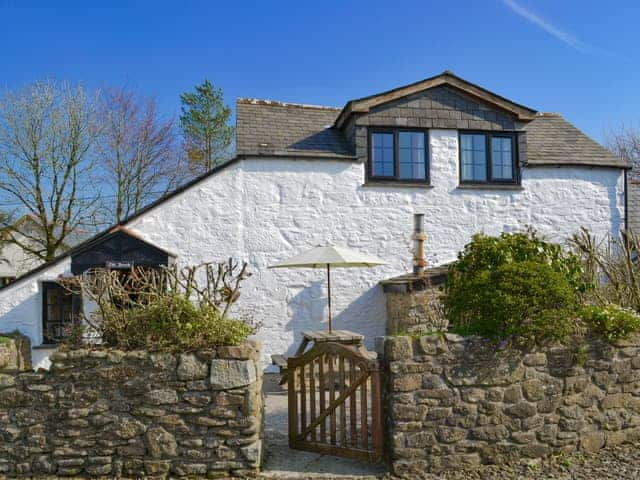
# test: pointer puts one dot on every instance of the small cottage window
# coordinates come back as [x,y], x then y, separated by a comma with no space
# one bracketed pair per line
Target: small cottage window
[58,307]
[398,155]
[488,158]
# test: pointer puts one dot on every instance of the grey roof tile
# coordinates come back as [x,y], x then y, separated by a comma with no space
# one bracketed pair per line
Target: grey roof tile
[276,128]
[552,140]
[267,127]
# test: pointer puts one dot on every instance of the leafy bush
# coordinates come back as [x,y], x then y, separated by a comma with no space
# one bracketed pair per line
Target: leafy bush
[515,286]
[169,309]
[611,322]
[171,322]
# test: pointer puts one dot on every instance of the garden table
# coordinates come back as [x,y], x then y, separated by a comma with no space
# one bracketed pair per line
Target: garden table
[311,337]
[322,336]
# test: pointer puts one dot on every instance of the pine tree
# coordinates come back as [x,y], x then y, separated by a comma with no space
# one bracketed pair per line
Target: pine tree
[204,122]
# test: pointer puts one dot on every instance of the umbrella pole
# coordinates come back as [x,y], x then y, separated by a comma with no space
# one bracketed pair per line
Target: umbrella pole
[329,295]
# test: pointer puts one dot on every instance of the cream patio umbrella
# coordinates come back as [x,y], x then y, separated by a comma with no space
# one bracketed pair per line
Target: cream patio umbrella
[327,257]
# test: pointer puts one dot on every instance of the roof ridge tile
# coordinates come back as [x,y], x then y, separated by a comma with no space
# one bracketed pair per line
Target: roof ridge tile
[277,103]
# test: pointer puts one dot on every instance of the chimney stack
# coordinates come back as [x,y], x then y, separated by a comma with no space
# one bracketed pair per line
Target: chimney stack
[419,237]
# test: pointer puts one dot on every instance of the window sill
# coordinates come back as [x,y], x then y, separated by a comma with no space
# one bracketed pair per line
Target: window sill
[489,186]
[45,346]
[392,184]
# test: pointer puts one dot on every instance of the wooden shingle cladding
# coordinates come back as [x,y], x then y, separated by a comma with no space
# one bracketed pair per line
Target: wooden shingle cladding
[484,96]
[437,108]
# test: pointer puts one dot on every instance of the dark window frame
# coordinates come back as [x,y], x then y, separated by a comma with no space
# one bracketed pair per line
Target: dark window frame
[7,280]
[46,286]
[396,156]
[488,135]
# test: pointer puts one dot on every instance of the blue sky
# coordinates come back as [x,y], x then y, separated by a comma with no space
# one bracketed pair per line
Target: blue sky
[576,57]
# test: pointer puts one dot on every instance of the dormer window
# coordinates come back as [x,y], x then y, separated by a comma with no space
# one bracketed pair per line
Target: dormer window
[398,155]
[488,158]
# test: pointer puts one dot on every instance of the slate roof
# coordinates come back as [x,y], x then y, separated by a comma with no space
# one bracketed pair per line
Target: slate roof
[271,128]
[267,127]
[552,140]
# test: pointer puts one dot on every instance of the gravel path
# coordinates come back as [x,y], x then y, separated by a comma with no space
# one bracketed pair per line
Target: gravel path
[621,462]
[618,463]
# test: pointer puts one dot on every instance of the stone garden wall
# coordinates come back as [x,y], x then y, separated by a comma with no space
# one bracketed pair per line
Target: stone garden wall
[456,403]
[134,414]
[415,312]
[414,302]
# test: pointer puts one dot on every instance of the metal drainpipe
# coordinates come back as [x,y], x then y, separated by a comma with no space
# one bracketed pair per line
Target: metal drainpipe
[626,202]
[419,237]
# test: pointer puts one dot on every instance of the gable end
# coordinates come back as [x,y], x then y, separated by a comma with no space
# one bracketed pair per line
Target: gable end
[365,104]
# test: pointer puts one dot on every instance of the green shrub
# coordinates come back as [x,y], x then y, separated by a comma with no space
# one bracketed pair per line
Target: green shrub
[516,287]
[171,323]
[611,322]
[170,309]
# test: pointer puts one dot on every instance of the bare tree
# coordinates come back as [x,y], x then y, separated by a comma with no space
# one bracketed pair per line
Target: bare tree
[625,142]
[137,151]
[4,223]
[47,133]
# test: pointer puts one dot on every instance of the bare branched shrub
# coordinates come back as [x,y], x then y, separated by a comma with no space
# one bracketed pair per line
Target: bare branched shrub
[611,265]
[171,308]
[624,141]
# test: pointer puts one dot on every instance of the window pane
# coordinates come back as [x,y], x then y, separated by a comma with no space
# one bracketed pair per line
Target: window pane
[382,154]
[467,171]
[478,142]
[502,158]
[412,160]
[405,170]
[57,313]
[474,157]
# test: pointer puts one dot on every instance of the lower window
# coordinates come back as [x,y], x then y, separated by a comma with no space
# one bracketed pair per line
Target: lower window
[488,158]
[59,308]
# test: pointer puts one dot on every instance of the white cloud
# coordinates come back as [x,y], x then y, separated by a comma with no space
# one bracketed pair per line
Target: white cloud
[565,37]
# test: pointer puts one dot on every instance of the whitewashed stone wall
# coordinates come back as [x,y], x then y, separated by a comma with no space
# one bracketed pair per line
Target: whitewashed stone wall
[264,210]
[21,303]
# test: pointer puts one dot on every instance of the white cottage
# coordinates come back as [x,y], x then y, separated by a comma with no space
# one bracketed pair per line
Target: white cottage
[304,175]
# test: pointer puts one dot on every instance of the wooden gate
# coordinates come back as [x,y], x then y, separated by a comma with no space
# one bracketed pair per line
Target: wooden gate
[335,403]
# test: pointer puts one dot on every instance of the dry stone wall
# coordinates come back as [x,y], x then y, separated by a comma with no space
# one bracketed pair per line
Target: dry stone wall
[108,413]
[455,403]
[415,312]
[15,352]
